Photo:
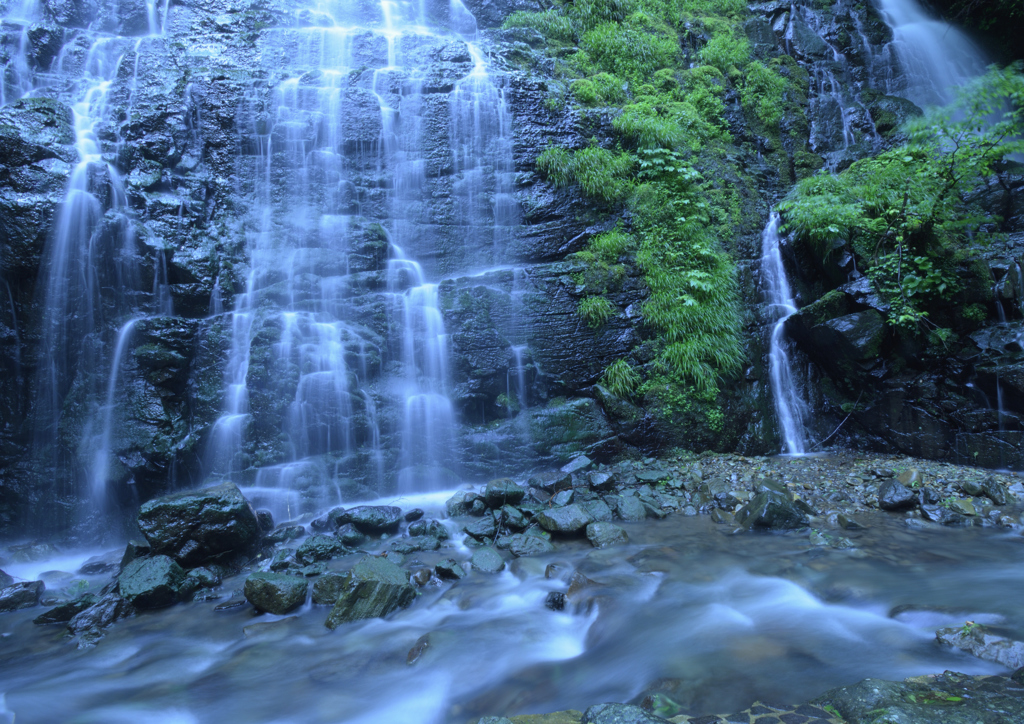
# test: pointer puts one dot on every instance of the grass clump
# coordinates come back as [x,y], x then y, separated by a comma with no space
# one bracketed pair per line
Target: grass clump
[595,311]
[620,379]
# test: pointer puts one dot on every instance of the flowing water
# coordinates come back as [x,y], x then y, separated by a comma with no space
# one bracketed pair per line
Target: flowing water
[710,620]
[789,404]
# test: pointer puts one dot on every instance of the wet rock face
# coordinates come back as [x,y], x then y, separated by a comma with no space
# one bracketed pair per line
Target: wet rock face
[274,592]
[373,588]
[151,582]
[197,525]
[21,595]
[771,510]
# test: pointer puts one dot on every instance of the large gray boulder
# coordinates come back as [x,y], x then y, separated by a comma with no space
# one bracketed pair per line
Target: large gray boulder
[151,582]
[104,612]
[373,588]
[275,592]
[604,535]
[64,612]
[503,491]
[197,525]
[521,545]
[568,520]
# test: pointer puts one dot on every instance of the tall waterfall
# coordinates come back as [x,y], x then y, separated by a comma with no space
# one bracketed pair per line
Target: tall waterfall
[352,148]
[789,404]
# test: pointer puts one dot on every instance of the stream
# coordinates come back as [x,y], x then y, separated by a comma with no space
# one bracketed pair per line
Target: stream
[710,620]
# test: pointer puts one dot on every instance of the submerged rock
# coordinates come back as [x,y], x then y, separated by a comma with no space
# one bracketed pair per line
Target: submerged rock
[449,570]
[151,582]
[603,535]
[275,592]
[197,525]
[373,588]
[327,589]
[21,595]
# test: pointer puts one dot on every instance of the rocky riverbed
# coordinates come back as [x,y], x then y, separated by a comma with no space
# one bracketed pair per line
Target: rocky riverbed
[686,586]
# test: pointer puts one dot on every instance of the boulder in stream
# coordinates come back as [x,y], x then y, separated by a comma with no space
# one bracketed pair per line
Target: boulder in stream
[771,510]
[503,491]
[373,588]
[603,535]
[567,520]
[487,560]
[101,614]
[373,519]
[275,592]
[977,640]
[21,595]
[64,612]
[521,545]
[151,582]
[893,495]
[197,525]
[319,547]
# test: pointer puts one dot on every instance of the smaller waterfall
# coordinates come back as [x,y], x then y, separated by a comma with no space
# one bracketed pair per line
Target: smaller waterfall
[17,80]
[789,406]
[934,57]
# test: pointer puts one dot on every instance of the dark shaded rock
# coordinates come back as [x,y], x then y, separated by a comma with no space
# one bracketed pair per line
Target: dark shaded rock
[568,520]
[601,481]
[449,570]
[274,592]
[433,528]
[555,601]
[327,589]
[487,560]
[949,698]
[619,714]
[771,510]
[422,576]
[373,588]
[373,519]
[603,535]
[266,520]
[598,510]
[652,475]
[481,529]
[198,579]
[5,579]
[551,482]
[199,524]
[503,492]
[418,649]
[511,518]
[64,612]
[349,536]
[460,504]
[521,545]
[98,565]
[151,582]
[104,612]
[329,521]
[414,515]
[319,547]
[944,516]
[284,534]
[21,595]
[893,495]
[135,549]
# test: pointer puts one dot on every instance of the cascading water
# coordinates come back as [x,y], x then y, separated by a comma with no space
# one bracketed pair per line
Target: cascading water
[348,244]
[789,405]
[933,57]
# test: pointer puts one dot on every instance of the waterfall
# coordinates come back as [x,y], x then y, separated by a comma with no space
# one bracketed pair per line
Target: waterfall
[372,184]
[934,57]
[789,406]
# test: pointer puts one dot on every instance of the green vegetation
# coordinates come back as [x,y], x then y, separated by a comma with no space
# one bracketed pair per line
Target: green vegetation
[595,311]
[665,67]
[906,213]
